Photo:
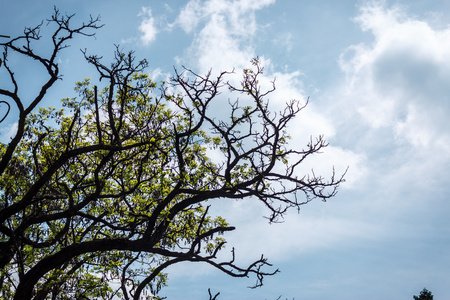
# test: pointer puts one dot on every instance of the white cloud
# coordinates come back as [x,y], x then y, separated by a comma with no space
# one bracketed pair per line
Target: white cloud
[190,15]
[239,13]
[7,131]
[223,34]
[225,39]
[393,106]
[401,80]
[147,26]
[318,226]
[389,122]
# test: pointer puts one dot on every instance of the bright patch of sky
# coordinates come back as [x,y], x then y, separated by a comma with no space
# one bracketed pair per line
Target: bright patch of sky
[377,77]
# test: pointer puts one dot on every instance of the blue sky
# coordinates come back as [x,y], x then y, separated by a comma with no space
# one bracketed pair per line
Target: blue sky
[377,74]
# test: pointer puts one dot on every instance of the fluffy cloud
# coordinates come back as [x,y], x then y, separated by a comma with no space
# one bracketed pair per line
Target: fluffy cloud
[387,121]
[223,34]
[397,87]
[395,103]
[7,131]
[240,14]
[401,80]
[227,30]
[147,26]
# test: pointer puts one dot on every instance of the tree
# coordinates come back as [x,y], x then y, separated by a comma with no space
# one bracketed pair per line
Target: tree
[424,295]
[99,197]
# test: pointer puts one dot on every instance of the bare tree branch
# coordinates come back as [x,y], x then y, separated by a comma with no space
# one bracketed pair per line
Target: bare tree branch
[118,188]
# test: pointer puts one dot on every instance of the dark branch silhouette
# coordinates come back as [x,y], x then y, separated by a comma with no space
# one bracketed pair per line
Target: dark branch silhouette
[117,187]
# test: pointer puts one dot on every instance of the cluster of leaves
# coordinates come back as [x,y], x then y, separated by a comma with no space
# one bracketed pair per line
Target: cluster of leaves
[99,197]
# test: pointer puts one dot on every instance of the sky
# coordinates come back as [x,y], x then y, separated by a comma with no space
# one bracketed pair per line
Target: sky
[377,76]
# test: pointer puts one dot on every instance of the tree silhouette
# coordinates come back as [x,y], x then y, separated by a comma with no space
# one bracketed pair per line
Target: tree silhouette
[98,198]
[424,295]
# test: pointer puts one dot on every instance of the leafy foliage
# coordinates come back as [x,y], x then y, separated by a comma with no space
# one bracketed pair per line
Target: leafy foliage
[99,197]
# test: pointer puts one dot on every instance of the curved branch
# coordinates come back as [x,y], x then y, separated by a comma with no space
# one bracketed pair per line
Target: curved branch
[7,111]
